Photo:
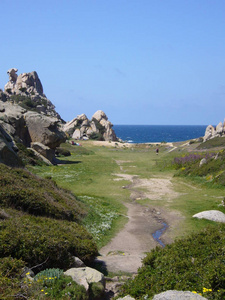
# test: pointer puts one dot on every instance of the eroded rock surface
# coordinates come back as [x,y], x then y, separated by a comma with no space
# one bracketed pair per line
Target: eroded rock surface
[97,128]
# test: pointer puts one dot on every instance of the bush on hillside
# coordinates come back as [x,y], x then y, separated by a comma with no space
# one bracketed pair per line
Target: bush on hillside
[38,240]
[24,191]
[29,103]
[212,170]
[212,143]
[195,263]
[10,280]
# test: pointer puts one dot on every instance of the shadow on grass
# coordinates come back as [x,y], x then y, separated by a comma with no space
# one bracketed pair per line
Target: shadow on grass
[66,162]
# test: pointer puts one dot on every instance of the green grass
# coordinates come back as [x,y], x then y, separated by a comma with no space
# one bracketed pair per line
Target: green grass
[92,179]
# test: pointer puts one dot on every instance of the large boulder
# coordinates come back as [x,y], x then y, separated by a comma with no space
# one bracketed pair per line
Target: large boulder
[44,151]
[13,121]
[178,295]
[212,215]
[102,119]
[8,149]
[85,276]
[44,129]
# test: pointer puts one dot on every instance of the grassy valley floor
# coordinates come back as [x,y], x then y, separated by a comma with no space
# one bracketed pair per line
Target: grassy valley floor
[129,192]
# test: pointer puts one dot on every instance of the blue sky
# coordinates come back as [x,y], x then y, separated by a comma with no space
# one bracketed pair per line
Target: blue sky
[140,61]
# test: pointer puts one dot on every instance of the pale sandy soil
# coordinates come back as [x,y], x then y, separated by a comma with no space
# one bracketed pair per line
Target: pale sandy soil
[122,145]
[127,249]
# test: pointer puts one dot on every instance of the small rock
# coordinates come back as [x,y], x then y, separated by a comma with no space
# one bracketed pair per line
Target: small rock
[213,215]
[128,297]
[178,295]
[202,162]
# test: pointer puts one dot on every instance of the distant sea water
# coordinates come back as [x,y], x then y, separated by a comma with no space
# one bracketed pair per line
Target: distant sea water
[158,133]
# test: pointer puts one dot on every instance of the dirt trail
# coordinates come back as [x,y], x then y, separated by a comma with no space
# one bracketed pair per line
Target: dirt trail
[127,249]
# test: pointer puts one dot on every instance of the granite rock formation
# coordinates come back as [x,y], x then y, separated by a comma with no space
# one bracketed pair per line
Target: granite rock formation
[27,88]
[98,127]
[8,150]
[212,132]
[28,117]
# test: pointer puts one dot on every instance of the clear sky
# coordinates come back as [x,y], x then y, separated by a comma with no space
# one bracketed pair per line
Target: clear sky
[140,61]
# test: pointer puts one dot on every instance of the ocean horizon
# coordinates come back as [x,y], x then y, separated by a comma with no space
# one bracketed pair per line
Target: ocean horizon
[158,133]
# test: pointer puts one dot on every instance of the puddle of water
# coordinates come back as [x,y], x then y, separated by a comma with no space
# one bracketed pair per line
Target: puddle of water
[156,235]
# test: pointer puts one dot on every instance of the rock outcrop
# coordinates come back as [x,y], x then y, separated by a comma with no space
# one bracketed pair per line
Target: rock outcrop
[28,117]
[29,126]
[8,150]
[212,132]
[98,127]
[85,276]
[178,295]
[27,89]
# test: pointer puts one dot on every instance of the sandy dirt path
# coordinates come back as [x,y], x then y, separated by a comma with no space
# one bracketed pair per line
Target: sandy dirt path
[127,249]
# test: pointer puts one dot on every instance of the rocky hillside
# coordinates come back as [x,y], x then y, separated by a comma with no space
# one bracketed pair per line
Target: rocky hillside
[28,117]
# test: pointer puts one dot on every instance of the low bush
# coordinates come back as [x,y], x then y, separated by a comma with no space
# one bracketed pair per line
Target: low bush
[212,143]
[38,240]
[24,191]
[195,263]
[96,136]
[212,170]
[10,280]
[29,103]
[62,152]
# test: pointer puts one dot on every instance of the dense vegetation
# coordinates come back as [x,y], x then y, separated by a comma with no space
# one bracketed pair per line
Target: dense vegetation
[28,103]
[195,263]
[40,223]
[39,227]
[209,165]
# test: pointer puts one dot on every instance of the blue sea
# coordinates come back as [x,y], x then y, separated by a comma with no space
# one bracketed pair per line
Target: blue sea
[158,133]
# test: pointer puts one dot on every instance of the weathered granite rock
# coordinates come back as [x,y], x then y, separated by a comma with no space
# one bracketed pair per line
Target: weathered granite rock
[8,155]
[82,128]
[44,151]
[178,295]
[213,215]
[44,129]
[25,82]
[109,134]
[31,127]
[209,133]
[12,120]
[202,161]
[29,85]
[3,96]
[128,297]
[85,276]
[78,263]
[212,132]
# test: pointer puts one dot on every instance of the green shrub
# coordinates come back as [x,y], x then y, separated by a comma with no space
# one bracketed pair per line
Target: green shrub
[29,103]
[96,291]
[38,240]
[62,152]
[24,191]
[96,136]
[195,263]
[212,143]
[10,281]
